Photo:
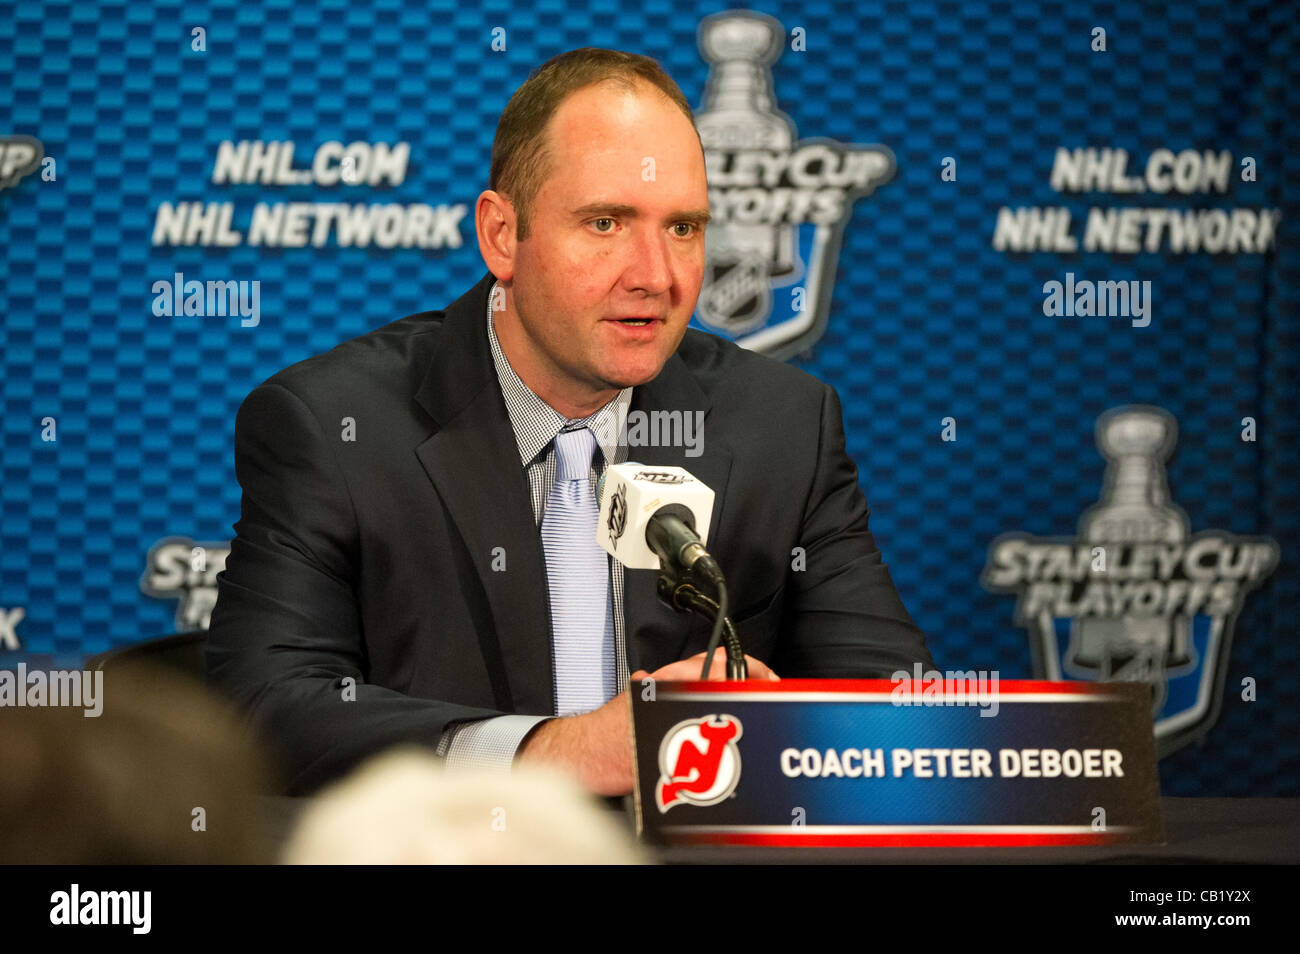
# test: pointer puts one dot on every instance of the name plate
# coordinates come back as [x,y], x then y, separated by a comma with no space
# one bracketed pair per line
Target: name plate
[873,763]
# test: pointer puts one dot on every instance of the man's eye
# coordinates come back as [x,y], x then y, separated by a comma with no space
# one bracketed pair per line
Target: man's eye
[599,229]
[687,225]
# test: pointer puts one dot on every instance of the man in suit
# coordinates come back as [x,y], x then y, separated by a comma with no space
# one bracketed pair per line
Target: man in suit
[417,501]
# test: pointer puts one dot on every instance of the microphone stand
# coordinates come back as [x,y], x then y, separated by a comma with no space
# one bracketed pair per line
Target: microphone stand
[683,596]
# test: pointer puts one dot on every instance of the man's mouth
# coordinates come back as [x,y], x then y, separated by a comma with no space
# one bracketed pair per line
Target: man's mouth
[636,322]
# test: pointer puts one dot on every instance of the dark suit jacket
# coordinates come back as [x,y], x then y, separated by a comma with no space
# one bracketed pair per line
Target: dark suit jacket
[372,558]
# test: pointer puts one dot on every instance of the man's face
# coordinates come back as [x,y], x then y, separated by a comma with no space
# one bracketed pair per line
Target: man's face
[617,233]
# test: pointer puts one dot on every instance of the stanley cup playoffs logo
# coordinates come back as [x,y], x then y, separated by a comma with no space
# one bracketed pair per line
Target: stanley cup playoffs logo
[779,205]
[1136,596]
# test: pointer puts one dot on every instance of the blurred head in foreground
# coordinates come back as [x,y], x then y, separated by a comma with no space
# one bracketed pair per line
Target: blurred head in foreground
[166,774]
[403,807]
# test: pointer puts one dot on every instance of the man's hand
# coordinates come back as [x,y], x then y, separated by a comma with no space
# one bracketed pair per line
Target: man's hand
[596,747]
[688,670]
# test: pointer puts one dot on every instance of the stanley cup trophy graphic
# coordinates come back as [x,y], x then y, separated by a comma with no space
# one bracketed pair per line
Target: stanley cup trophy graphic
[1134,509]
[1134,596]
[739,115]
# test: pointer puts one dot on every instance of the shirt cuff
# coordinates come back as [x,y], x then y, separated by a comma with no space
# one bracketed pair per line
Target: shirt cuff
[488,743]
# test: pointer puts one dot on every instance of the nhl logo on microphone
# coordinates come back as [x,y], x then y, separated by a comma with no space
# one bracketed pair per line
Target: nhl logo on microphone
[616,522]
[699,762]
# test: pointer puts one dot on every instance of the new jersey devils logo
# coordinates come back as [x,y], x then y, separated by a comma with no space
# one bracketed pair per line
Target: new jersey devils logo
[699,763]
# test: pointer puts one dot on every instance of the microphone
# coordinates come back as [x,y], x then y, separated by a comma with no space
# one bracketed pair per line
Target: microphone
[655,518]
[670,532]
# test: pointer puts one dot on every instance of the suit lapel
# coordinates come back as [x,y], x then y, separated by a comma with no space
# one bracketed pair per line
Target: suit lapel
[473,462]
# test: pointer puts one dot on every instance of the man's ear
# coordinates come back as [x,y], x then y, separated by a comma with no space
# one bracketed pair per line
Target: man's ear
[494,220]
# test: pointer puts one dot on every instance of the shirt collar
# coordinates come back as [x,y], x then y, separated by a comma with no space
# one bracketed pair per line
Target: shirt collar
[536,423]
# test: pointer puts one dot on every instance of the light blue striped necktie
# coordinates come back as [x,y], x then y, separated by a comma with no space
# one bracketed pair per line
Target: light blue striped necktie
[577,575]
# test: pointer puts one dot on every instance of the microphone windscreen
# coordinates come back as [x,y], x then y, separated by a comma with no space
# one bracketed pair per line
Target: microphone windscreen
[630,494]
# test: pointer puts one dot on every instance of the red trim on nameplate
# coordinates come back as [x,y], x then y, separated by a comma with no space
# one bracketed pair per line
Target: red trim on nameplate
[899,840]
[1005,687]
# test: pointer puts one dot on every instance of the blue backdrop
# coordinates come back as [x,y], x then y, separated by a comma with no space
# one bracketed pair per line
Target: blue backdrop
[969,408]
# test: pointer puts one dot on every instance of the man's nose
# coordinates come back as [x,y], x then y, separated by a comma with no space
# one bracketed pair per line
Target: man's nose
[650,269]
